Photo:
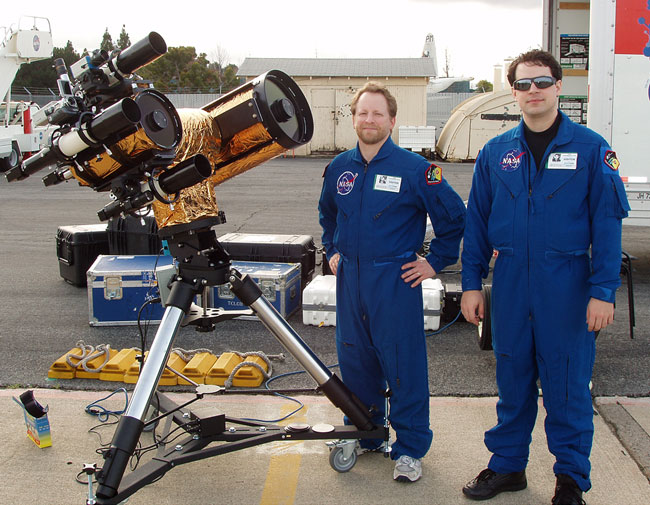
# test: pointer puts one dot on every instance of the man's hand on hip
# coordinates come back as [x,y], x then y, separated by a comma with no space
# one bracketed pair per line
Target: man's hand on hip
[416,271]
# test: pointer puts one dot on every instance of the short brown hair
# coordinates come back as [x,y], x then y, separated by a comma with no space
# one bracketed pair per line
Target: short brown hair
[375,87]
[536,57]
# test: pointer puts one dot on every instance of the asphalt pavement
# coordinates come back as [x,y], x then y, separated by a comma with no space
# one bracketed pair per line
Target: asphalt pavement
[42,317]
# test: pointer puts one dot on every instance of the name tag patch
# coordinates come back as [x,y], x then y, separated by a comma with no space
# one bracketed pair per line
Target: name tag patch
[562,161]
[387,183]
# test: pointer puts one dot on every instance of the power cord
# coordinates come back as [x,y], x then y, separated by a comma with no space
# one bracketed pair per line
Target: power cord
[266,385]
[103,414]
[445,326]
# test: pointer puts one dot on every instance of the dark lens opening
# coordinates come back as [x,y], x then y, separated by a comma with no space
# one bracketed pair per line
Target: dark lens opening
[541,82]
[544,82]
[523,84]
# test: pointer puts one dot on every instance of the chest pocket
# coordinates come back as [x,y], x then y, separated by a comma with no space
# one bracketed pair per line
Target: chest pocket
[566,209]
[382,203]
[507,188]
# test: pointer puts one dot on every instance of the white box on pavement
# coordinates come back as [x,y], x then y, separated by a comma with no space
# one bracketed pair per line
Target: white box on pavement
[319,302]
[432,302]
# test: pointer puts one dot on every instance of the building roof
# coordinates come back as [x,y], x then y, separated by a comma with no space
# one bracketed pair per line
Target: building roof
[336,67]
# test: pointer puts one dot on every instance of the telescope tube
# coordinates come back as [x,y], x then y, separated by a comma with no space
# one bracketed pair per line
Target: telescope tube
[241,130]
[116,122]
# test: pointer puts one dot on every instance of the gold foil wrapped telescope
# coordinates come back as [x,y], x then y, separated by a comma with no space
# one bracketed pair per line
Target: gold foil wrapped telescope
[159,130]
[244,128]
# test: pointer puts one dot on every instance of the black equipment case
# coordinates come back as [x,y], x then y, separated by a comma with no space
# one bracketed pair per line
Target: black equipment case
[136,235]
[77,247]
[274,249]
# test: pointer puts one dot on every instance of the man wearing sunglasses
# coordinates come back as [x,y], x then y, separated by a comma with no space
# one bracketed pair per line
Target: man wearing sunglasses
[548,198]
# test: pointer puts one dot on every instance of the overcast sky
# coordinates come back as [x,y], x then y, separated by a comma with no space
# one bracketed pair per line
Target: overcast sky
[476,34]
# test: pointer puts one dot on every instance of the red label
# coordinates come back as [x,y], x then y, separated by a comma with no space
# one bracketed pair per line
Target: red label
[632,27]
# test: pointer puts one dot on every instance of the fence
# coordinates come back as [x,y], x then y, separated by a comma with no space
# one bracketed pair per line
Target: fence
[439,105]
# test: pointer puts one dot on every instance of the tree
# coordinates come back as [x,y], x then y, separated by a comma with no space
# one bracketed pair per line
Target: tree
[124,41]
[166,71]
[41,74]
[484,86]
[447,66]
[220,57]
[107,42]
[179,70]
[230,79]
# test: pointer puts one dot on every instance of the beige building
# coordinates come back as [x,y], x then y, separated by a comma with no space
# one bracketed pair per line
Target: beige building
[329,85]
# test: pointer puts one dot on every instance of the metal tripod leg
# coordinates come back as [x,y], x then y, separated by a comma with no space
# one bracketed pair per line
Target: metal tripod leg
[338,393]
[131,424]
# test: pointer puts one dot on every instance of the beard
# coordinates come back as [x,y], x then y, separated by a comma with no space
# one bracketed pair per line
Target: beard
[372,137]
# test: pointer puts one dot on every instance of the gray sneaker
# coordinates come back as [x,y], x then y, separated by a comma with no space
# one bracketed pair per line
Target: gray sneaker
[407,469]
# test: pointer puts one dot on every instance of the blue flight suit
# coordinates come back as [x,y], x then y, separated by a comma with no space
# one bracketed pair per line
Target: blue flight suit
[374,215]
[557,231]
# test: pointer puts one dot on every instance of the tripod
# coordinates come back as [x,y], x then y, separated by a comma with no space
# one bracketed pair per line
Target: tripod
[203,262]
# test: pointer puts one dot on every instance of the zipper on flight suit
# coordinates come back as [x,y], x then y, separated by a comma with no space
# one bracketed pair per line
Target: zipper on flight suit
[365,171]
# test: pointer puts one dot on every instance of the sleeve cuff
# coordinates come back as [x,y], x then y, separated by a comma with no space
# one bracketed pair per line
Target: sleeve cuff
[601,293]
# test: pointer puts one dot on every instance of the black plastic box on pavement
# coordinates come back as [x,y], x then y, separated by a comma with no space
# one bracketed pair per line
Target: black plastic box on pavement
[279,282]
[273,248]
[77,247]
[118,286]
[133,235]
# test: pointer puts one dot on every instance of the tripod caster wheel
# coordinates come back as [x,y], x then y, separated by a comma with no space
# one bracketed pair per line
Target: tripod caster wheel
[339,462]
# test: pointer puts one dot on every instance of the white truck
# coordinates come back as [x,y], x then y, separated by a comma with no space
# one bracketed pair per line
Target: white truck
[604,49]
[30,40]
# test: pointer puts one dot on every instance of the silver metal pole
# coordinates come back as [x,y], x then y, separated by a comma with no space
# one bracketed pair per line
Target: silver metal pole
[155,363]
[292,342]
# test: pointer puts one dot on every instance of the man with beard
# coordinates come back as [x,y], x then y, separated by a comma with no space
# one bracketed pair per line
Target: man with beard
[373,211]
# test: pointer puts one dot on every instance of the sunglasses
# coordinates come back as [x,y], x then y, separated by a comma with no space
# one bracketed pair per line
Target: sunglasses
[542,82]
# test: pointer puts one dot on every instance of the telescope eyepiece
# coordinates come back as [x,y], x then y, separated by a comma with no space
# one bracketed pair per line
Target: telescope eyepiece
[59,66]
[99,57]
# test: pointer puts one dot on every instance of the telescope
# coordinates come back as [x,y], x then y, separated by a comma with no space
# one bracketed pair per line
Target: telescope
[114,135]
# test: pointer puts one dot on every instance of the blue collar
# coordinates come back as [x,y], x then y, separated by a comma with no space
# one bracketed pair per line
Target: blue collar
[385,150]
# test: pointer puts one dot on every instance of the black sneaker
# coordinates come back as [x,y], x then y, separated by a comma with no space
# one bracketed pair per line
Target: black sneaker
[567,492]
[488,484]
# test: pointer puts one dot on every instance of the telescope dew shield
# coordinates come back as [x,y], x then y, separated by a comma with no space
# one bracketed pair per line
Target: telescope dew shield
[141,53]
[185,174]
[159,131]
[111,122]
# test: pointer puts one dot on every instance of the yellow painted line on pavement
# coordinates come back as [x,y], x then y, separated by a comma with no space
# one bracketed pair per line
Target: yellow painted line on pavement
[282,476]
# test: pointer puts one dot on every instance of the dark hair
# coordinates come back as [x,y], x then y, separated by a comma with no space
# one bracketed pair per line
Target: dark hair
[375,87]
[536,57]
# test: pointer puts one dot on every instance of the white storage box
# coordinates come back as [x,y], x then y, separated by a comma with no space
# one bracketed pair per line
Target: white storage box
[417,138]
[432,296]
[319,302]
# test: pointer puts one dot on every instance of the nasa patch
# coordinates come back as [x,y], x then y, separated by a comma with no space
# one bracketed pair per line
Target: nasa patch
[611,160]
[511,160]
[433,174]
[345,183]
